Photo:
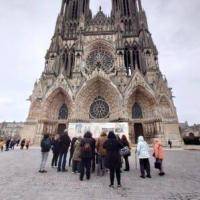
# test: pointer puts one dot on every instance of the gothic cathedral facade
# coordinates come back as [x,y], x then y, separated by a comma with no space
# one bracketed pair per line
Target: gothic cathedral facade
[103,69]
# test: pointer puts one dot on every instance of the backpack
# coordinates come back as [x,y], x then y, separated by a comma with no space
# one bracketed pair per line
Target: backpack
[46,145]
[87,147]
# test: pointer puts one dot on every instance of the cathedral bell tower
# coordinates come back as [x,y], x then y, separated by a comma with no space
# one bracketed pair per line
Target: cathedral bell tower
[126,11]
[73,9]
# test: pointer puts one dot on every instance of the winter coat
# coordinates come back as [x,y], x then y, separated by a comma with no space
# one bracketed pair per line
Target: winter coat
[113,158]
[87,154]
[1,144]
[99,145]
[77,151]
[158,150]
[8,143]
[55,146]
[43,145]
[23,142]
[73,145]
[64,143]
[142,148]
[93,146]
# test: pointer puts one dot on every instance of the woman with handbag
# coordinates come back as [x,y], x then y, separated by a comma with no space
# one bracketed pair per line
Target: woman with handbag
[127,152]
[159,156]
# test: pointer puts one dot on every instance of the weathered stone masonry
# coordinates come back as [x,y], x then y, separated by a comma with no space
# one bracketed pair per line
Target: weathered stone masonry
[103,69]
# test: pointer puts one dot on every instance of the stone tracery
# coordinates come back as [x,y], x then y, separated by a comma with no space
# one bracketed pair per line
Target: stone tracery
[99,58]
[99,109]
[104,69]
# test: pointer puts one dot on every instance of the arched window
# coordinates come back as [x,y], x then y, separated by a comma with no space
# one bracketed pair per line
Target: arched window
[132,58]
[65,59]
[137,111]
[63,112]
[127,60]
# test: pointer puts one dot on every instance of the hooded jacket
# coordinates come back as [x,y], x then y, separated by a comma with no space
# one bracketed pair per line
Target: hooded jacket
[142,148]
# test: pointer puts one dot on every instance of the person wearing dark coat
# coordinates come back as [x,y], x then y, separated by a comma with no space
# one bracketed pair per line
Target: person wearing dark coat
[93,155]
[55,150]
[72,149]
[23,144]
[27,144]
[170,143]
[125,143]
[113,158]
[8,141]
[12,144]
[64,143]
[45,148]
[87,145]
[17,143]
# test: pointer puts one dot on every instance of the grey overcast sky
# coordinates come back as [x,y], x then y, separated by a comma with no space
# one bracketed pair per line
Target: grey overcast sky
[26,28]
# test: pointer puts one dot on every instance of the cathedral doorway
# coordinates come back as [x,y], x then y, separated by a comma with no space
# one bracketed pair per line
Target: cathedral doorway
[61,128]
[138,130]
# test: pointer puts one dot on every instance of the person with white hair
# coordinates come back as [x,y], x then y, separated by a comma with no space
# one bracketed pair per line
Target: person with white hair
[143,154]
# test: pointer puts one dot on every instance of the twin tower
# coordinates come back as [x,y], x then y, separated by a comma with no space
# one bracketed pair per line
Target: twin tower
[127,13]
[102,69]
[74,9]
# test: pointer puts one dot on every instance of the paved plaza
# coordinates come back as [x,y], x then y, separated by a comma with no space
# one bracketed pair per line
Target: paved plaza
[19,179]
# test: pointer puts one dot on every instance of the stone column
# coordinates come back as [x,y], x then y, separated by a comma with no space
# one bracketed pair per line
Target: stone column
[131,132]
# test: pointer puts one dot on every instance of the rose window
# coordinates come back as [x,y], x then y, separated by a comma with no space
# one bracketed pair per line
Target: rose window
[100,59]
[99,109]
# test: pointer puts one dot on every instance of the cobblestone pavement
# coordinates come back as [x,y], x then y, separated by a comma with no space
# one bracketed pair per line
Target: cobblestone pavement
[19,179]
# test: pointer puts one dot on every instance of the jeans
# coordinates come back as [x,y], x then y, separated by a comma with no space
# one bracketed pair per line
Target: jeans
[54,159]
[161,165]
[70,158]
[44,160]
[145,166]
[62,161]
[93,163]
[101,166]
[127,167]
[7,147]
[75,166]
[114,171]
[85,164]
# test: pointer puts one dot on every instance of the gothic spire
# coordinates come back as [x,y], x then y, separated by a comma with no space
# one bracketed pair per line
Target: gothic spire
[126,8]
[62,7]
[74,9]
[140,5]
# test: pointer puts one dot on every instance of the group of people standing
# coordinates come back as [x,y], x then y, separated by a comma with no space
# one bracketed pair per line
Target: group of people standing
[102,154]
[10,143]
